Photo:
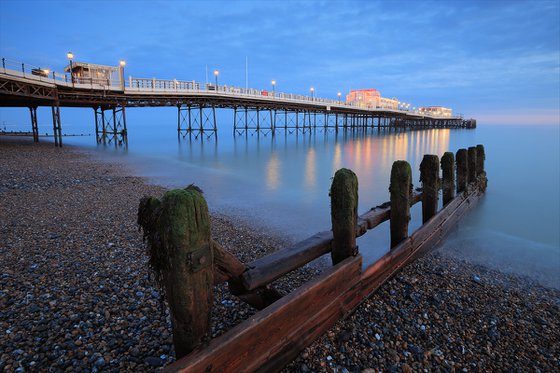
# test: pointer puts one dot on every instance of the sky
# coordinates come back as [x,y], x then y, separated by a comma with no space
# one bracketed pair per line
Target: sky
[496,61]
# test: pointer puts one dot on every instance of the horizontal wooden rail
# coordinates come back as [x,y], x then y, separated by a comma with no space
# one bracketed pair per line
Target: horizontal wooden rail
[273,337]
[269,268]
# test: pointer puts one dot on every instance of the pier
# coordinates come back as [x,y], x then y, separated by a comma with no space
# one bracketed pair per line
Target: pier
[23,85]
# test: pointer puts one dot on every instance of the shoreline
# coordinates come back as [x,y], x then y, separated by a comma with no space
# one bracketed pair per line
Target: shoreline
[76,292]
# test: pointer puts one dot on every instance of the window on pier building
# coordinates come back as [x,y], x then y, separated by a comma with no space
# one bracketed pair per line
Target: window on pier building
[438,111]
[89,73]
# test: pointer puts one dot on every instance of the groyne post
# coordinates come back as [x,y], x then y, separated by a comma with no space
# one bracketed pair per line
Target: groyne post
[429,177]
[462,170]
[448,176]
[180,249]
[401,191]
[472,164]
[480,157]
[344,214]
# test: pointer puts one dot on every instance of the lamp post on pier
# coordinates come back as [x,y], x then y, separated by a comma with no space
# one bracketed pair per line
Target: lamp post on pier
[312,93]
[339,94]
[70,57]
[273,86]
[216,73]
[122,63]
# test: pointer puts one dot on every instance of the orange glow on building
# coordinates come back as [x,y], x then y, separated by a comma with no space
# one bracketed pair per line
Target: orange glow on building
[366,98]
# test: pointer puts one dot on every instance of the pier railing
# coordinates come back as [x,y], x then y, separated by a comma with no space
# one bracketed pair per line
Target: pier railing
[163,86]
[188,263]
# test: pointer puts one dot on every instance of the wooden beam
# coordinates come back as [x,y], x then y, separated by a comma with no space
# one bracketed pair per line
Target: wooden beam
[273,336]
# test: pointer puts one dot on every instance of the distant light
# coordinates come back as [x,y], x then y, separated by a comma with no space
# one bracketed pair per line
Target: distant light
[122,63]
[339,94]
[70,55]
[216,72]
[312,89]
[273,82]
[46,71]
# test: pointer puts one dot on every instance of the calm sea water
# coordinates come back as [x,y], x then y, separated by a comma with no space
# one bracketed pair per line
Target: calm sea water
[282,183]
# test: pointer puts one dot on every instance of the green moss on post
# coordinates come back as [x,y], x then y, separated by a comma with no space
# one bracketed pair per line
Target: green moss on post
[429,176]
[480,157]
[448,175]
[344,214]
[401,190]
[462,170]
[472,164]
[178,233]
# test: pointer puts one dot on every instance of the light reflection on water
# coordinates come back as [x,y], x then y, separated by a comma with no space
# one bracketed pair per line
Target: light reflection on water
[282,182]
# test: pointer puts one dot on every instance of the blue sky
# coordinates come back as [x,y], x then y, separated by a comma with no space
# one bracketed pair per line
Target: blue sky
[497,61]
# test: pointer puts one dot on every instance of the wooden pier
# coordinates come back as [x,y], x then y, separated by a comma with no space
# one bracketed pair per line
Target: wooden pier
[22,85]
[182,250]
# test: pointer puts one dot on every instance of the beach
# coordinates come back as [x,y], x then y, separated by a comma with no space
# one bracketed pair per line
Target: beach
[76,292]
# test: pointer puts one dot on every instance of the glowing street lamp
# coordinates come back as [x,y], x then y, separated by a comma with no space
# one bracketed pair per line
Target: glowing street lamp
[122,64]
[70,57]
[312,93]
[216,73]
[273,85]
[339,94]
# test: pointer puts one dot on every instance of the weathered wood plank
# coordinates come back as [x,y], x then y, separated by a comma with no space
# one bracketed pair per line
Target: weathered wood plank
[274,335]
[277,264]
[226,265]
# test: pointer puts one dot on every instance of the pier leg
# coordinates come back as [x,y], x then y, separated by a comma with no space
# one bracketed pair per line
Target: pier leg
[56,124]
[34,125]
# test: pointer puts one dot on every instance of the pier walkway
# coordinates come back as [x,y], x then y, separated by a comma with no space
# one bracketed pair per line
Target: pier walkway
[28,86]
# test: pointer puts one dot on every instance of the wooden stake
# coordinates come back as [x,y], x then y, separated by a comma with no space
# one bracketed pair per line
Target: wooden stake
[462,170]
[448,175]
[480,157]
[472,164]
[178,233]
[401,191]
[429,176]
[344,214]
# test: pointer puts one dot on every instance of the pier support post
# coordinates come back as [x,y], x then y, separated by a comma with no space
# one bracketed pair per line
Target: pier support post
[344,214]
[401,190]
[462,170]
[57,127]
[429,176]
[448,175]
[472,164]
[34,125]
[180,249]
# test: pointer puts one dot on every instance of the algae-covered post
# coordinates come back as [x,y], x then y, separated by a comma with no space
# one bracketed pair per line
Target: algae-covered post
[472,164]
[180,248]
[480,157]
[448,175]
[401,192]
[429,176]
[344,214]
[462,170]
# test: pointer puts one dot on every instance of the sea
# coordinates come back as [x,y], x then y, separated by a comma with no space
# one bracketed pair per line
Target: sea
[281,182]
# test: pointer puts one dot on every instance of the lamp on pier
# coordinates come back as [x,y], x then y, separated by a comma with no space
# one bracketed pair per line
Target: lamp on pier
[339,94]
[273,85]
[122,64]
[216,73]
[70,57]
[312,93]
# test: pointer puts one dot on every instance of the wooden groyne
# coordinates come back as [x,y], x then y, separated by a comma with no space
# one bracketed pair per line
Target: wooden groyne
[188,263]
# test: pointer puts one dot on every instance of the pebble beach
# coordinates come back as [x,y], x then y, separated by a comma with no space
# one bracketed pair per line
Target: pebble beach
[77,295]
